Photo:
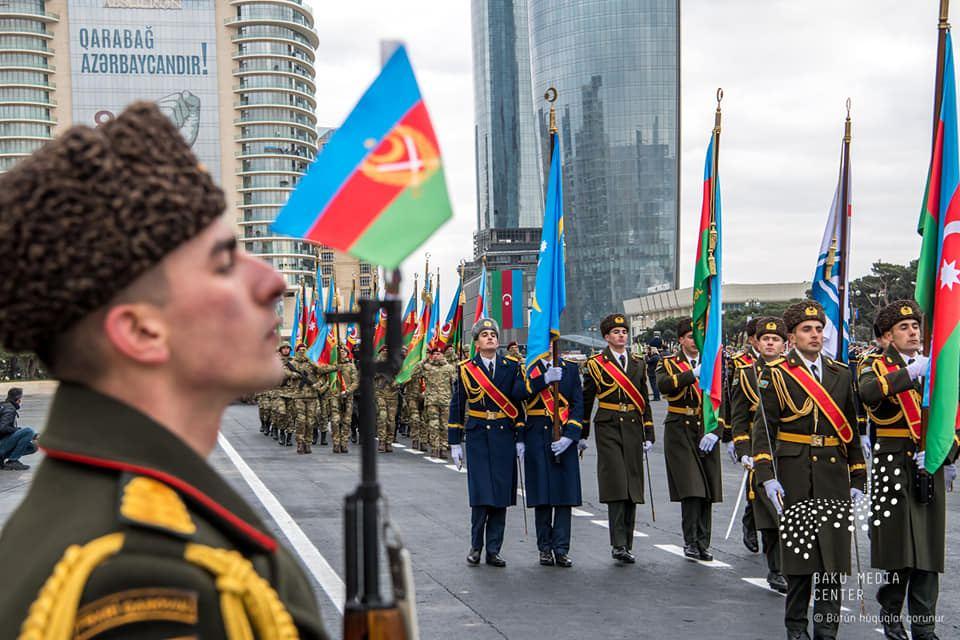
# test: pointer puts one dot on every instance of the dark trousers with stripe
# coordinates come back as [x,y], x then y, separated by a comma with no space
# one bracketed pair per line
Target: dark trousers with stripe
[489,522]
[553,528]
[826,590]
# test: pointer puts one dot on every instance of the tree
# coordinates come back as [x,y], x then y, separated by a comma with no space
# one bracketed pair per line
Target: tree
[666,329]
[735,319]
[885,283]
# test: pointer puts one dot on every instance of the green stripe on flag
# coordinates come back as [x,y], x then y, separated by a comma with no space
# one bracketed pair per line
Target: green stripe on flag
[927,264]
[406,224]
[942,422]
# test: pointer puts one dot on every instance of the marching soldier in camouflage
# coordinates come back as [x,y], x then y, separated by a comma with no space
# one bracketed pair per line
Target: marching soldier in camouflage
[907,535]
[692,457]
[807,456]
[770,335]
[304,409]
[411,410]
[277,403]
[438,378]
[623,431]
[387,400]
[286,395]
[340,400]
[264,404]
[322,415]
[450,355]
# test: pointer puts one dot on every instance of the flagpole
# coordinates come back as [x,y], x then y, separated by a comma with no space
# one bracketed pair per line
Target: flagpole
[551,97]
[844,235]
[459,330]
[943,26]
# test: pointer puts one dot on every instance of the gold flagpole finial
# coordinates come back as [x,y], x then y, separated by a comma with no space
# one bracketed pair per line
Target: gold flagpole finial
[551,97]
[847,124]
[716,116]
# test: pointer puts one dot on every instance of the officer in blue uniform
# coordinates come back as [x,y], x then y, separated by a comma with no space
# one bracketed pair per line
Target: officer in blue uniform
[485,415]
[552,468]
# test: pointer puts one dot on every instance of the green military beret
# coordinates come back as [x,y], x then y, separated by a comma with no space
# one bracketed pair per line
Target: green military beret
[88,213]
[803,311]
[897,311]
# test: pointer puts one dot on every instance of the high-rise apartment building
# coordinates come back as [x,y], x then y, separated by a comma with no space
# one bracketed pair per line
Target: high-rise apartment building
[236,76]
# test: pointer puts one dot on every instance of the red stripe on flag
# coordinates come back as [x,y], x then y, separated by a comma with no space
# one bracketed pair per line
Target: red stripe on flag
[361,199]
[716,382]
[506,298]
[704,215]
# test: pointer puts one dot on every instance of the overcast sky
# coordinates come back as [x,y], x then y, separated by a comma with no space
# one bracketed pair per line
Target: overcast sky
[786,68]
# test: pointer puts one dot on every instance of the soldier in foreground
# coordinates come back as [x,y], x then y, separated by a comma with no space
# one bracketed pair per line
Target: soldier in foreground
[623,430]
[807,455]
[551,466]
[177,323]
[907,536]
[692,457]
[770,335]
[484,417]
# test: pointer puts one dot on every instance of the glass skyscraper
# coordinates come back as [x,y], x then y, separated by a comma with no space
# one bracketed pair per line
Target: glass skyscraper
[615,64]
[508,165]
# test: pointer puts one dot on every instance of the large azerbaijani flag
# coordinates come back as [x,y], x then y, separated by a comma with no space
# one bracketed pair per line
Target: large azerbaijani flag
[507,295]
[707,302]
[938,275]
[377,191]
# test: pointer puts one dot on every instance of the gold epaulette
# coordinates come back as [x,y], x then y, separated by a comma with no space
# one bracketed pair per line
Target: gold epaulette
[464,361]
[836,362]
[150,503]
[595,356]
[742,364]
[778,361]
[514,358]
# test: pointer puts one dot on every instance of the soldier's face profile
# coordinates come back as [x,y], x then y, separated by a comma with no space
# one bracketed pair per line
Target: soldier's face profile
[487,340]
[808,337]
[617,337]
[905,336]
[770,345]
[687,343]
[220,320]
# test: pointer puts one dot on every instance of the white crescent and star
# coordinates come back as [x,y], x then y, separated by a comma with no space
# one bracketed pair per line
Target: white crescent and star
[949,274]
[507,299]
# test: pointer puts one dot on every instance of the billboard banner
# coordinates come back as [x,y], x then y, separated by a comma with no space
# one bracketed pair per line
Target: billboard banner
[161,50]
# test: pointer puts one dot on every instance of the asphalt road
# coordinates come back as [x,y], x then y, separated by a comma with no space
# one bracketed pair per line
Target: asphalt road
[662,596]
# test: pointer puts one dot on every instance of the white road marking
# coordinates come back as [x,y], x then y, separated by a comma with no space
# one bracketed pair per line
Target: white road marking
[328,579]
[435,460]
[606,525]
[580,513]
[677,551]
[762,583]
[399,446]
[414,452]
[454,467]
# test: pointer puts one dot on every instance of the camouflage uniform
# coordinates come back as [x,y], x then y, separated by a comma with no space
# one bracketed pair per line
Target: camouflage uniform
[283,406]
[323,411]
[387,400]
[438,376]
[264,406]
[340,401]
[411,409]
[303,401]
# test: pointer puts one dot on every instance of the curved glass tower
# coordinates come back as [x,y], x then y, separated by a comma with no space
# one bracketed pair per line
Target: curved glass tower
[274,106]
[615,64]
[26,86]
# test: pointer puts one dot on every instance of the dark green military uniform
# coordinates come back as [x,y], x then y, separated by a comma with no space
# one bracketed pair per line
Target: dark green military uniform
[744,401]
[620,431]
[907,538]
[148,541]
[746,358]
[693,477]
[817,470]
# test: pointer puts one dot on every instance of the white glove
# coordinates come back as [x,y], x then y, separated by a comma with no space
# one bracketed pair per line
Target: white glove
[920,458]
[775,493]
[732,451]
[708,442]
[747,462]
[581,445]
[855,495]
[560,445]
[696,371]
[647,445]
[949,475]
[918,368]
[521,449]
[867,448]
[456,452]
[553,374]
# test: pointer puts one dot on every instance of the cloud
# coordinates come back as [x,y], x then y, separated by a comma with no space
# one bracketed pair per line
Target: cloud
[786,68]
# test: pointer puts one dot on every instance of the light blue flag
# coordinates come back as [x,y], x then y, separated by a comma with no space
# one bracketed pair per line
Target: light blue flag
[550,291]
[297,318]
[826,279]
